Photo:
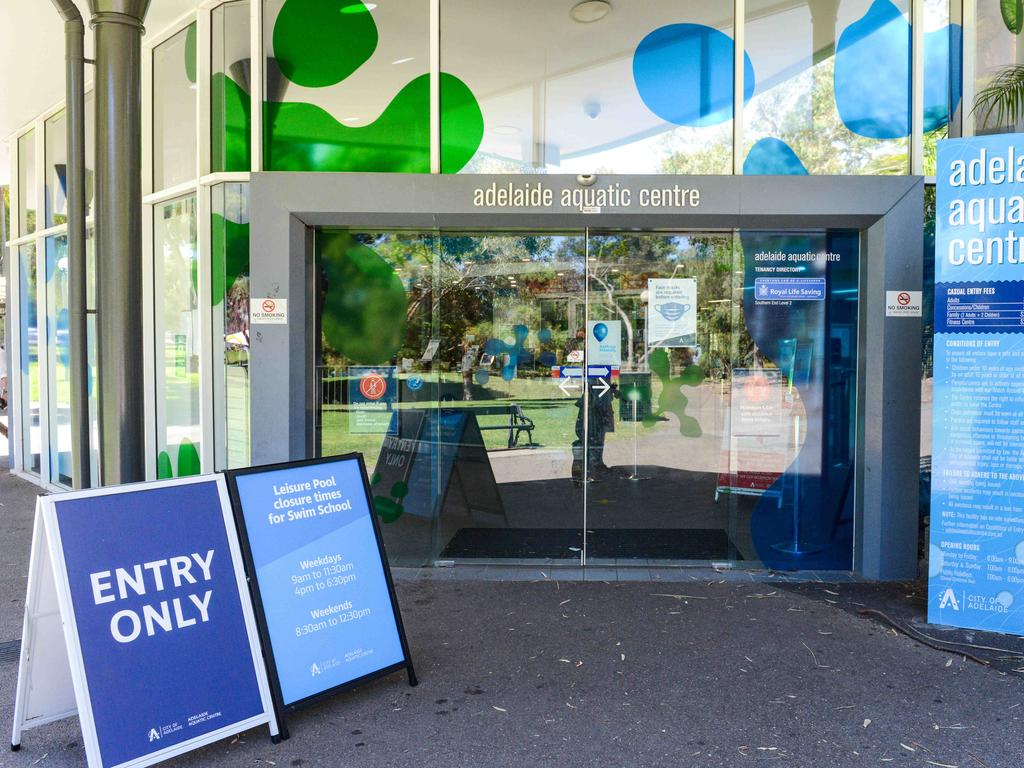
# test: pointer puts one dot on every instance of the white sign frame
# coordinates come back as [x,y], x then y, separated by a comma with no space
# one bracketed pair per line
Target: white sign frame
[895,308]
[45,527]
[260,316]
[673,333]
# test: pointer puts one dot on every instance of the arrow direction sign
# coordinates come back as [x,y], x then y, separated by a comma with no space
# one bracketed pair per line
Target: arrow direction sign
[598,371]
[566,384]
[602,387]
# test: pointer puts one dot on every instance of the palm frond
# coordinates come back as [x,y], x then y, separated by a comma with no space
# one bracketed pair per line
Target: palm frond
[1002,98]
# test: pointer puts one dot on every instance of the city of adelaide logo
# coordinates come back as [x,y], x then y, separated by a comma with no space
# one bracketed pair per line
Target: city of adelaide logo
[373,386]
[948,600]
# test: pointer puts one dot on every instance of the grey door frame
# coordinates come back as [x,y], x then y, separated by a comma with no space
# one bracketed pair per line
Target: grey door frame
[285,208]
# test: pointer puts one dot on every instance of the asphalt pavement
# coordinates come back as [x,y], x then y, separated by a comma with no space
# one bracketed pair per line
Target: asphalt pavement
[666,668]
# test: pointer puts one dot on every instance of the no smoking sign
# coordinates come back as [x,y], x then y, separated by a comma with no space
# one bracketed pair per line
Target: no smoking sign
[268,311]
[903,303]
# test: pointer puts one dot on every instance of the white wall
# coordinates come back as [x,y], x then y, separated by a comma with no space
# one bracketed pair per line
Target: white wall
[32,59]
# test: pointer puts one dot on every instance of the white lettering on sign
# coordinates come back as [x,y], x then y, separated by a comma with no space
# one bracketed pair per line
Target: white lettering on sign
[268,311]
[155,576]
[584,199]
[903,303]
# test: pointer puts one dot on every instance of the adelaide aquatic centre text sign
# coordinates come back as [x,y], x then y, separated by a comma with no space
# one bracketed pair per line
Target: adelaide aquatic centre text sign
[976,561]
[323,591]
[159,651]
[587,199]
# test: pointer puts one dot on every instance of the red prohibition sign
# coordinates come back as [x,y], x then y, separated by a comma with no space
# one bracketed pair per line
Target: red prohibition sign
[903,298]
[269,305]
[372,386]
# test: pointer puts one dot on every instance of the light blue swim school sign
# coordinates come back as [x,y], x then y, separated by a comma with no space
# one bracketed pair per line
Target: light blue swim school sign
[324,596]
[976,552]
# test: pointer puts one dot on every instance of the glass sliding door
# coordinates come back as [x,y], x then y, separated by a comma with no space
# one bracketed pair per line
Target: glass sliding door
[661,337]
[512,395]
[596,397]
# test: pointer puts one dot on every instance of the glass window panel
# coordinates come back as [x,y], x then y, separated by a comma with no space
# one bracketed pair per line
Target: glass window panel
[943,51]
[174,110]
[229,89]
[176,323]
[800,511]
[29,373]
[230,285]
[529,88]
[55,170]
[997,49]
[27,183]
[56,164]
[94,424]
[832,87]
[90,152]
[59,362]
[347,91]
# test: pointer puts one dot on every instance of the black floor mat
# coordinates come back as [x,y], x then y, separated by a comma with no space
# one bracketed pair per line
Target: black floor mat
[565,543]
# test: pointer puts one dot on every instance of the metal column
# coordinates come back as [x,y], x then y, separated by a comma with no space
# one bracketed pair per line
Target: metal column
[117,25]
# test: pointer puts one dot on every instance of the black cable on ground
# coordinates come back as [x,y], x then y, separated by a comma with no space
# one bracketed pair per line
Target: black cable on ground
[920,637]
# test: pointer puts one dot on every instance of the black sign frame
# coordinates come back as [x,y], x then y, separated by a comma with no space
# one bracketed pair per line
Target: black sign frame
[280,707]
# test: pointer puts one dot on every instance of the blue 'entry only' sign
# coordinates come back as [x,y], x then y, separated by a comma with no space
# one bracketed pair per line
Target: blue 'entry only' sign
[160,645]
[323,591]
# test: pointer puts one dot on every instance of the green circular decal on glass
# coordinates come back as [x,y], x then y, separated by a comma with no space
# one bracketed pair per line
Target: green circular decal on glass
[364,304]
[321,42]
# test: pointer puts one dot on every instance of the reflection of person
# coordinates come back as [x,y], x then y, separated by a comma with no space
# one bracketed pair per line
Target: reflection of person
[600,418]
[3,387]
[600,421]
[577,344]
[468,358]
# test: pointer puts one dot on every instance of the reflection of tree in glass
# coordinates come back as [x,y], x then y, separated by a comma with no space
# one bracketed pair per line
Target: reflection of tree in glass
[801,111]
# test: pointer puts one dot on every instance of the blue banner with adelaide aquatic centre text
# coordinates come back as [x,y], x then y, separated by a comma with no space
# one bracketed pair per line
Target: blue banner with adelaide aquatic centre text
[976,553]
[321,575]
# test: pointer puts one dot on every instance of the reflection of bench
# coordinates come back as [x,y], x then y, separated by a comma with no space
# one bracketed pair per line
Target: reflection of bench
[517,421]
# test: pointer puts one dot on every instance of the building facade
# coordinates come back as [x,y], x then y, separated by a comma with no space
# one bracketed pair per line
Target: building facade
[584,388]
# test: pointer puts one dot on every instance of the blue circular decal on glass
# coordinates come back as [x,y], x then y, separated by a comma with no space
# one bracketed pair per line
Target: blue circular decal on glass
[415,383]
[683,73]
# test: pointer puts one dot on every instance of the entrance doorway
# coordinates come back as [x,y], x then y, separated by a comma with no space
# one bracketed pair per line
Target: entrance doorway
[596,397]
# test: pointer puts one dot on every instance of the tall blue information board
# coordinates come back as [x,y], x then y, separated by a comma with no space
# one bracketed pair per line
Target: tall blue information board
[323,592]
[976,560]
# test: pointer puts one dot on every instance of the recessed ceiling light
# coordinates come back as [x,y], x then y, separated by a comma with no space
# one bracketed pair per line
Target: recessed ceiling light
[402,61]
[590,10]
[349,119]
[505,130]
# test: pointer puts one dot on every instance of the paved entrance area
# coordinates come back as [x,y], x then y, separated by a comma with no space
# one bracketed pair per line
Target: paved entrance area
[682,669]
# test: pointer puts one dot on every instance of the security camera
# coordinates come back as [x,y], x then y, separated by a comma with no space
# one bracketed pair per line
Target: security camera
[586,179]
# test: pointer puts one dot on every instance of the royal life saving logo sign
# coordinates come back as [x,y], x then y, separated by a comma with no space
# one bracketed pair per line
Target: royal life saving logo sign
[976,553]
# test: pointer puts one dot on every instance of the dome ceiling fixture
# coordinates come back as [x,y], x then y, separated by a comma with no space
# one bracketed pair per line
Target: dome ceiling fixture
[590,10]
